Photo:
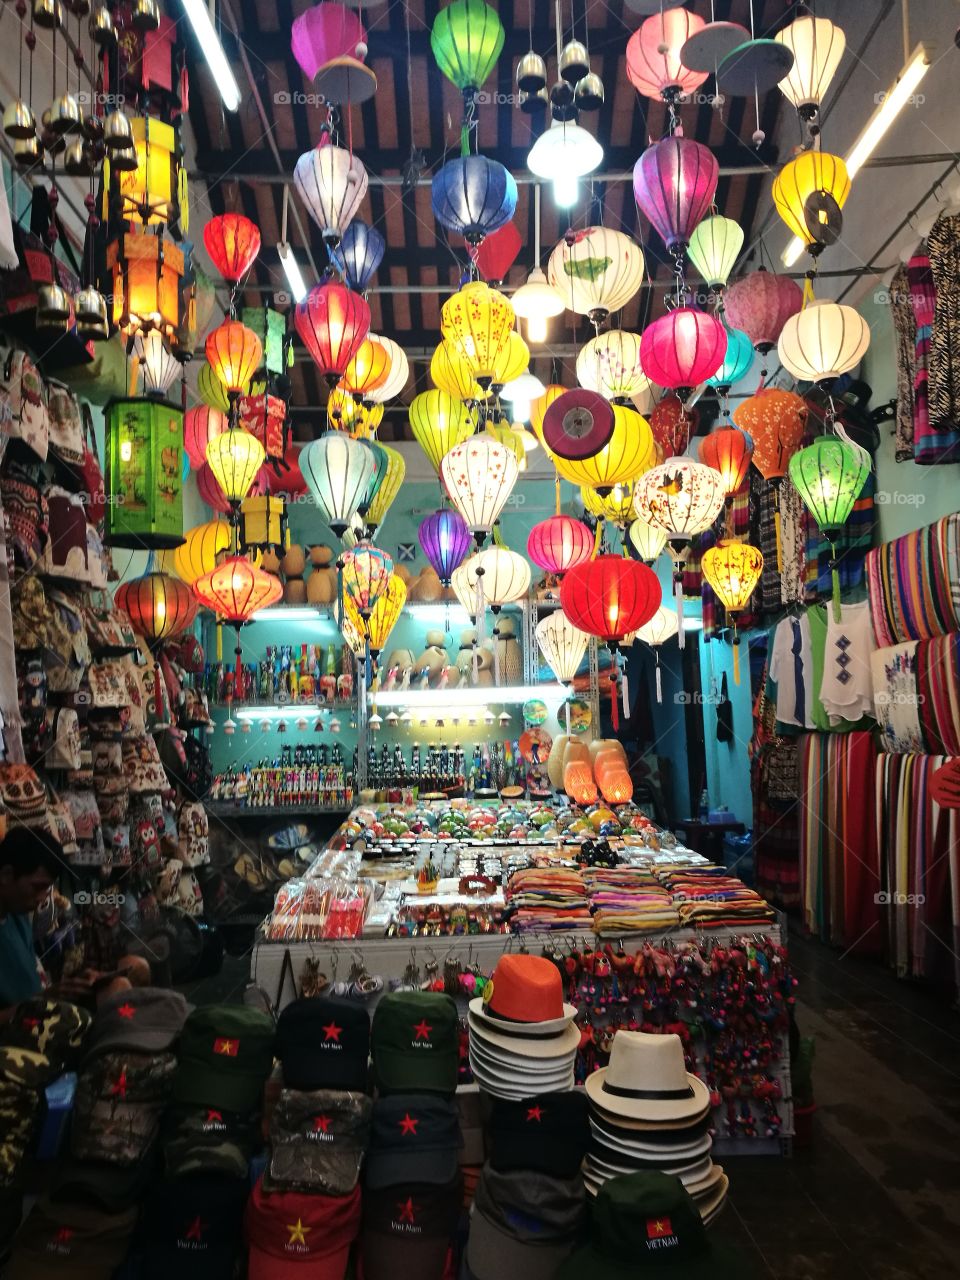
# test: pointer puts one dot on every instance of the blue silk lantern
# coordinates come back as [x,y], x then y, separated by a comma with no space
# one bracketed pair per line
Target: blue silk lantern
[736,362]
[445,540]
[361,249]
[473,196]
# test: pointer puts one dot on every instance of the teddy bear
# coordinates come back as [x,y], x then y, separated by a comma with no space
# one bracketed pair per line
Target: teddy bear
[509,655]
[322,582]
[292,565]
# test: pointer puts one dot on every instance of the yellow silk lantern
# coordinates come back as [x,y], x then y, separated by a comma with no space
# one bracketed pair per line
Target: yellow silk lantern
[438,422]
[513,360]
[615,506]
[805,190]
[388,489]
[626,455]
[450,372]
[478,321]
[202,546]
[235,457]
[367,370]
[540,406]
[733,570]
[385,613]
[148,192]
[648,539]
[354,418]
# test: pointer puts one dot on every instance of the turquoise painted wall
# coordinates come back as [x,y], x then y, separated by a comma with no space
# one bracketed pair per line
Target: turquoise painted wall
[728,765]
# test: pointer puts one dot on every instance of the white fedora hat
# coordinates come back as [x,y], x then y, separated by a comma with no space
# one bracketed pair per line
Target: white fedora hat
[668,1155]
[526,1041]
[526,1068]
[514,1090]
[712,1204]
[647,1079]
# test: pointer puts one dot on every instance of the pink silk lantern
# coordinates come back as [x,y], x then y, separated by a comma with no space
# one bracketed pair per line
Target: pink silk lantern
[209,489]
[761,304]
[559,543]
[325,32]
[674,183]
[201,425]
[683,348]
[653,55]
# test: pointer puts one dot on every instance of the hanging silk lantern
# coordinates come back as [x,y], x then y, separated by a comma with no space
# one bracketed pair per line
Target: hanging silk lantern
[233,243]
[368,368]
[610,364]
[615,506]
[234,353]
[210,491]
[387,490]
[478,321]
[466,39]
[737,361]
[502,575]
[323,33]
[338,472]
[562,644]
[201,548]
[538,408]
[333,322]
[201,425]
[512,362]
[473,196]
[158,365]
[674,183]
[157,605]
[733,570]
[829,475]
[361,252]
[287,478]
[145,271]
[775,420]
[760,304]
[728,451]
[823,341]
[654,65]
[438,422]
[559,543]
[714,247]
[809,193]
[610,596]
[386,613]
[673,425]
[445,540]
[479,476]
[353,417]
[499,251]
[663,626]
[817,46]
[397,377]
[596,271]
[332,183]
[235,591]
[449,372]
[366,574]
[682,349]
[235,457]
[626,455]
[648,540]
[211,390]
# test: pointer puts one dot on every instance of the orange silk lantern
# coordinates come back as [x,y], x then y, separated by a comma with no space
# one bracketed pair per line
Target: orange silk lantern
[775,420]
[158,606]
[234,353]
[232,241]
[728,450]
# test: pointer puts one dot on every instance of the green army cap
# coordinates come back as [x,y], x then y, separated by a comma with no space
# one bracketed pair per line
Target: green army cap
[416,1042]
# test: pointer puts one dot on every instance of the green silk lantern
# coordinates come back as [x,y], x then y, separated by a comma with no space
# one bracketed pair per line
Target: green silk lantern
[466,40]
[829,475]
[144,474]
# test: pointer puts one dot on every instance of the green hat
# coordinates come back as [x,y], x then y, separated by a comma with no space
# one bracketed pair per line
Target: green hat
[226,1054]
[416,1042]
[647,1224]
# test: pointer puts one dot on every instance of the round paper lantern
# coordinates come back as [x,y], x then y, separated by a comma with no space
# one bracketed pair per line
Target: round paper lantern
[817,46]
[626,455]
[683,348]
[158,606]
[672,424]
[512,362]
[367,369]
[233,243]
[390,484]
[396,378]
[445,540]
[366,574]
[681,496]
[654,67]
[498,252]
[714,247]
[610,597]
[325,32]
[760,304]
[449,372]
[648,540]
[235,457]
[332,183]
[466,40]
[361,251]
[674,183]
[235,590]
[775,420]
[823,341]
[478,321]
[737,361]
[610,364]
[500,575]
[616,787]
[473,196]
[353,417]
[234,353]
[728,451]
[385,614]
[201,425]
[332,321]
[813,185]
[596,271]
[439,422]
[479,476]
[212,391]
[338,472]
[733,570]
[200,550]
[559,543]
[286,477]
[615,506]
[562,644]
[829,475]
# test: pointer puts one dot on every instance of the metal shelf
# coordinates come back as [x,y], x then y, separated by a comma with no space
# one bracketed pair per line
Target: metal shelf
[227,809]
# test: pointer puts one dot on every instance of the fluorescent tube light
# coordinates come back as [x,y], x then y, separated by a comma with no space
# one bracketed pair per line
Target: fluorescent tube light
[286,613]
[471,696]
[209,42]
[295,280]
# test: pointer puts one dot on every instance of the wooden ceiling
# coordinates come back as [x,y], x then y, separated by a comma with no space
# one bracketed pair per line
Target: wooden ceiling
[416,107]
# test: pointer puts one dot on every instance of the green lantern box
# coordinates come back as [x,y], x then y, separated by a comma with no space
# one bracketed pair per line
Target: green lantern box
[144,473]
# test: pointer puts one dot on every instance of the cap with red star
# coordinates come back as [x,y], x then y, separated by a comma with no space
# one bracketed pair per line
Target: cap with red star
[421,1030]
[406,1211]
[534,1113]
[321,1124]
[195,1229]
[657,1228]
[409,1124]
[126,1010]
[331,1033]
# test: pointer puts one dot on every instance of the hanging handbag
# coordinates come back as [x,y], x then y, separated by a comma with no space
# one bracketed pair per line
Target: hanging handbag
[91,473]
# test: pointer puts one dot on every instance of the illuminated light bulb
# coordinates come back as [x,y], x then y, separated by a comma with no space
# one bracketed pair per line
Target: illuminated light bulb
[566,189]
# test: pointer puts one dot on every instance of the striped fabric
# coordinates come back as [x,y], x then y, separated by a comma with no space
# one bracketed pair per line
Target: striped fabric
[913,584]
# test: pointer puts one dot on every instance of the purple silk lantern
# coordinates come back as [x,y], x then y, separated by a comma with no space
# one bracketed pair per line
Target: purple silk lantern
[445,540]
[325,32]
[674,183]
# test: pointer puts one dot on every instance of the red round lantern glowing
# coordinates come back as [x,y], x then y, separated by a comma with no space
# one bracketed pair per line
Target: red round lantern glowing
[201,425]
[234,353]
[232,242]
[333,322]
[672,425]
[610,597]
[158,606]
[559,544]
[728,450]
[683,348]
[235,590]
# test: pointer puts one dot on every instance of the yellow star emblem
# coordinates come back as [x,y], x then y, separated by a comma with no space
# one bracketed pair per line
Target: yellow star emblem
[298,1232]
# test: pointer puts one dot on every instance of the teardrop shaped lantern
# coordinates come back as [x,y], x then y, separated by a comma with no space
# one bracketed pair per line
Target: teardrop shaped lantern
[438,422]
[361,251]
[233,242]
[445,540]
[733,570]
[654,65]
[817,46]
[159,367]
[648,540]
[235,590]
[479,476]
[728,451]
[466,39]
[332,183]
[235,457]
[353,417]
[809,193]
[760,304]
[333,322]
[212,391]
[610,364]
[737,361]
[158,606]
[714,247]
[368,369]
[473,196]
[338,472]
[385,614]
[478,321]
[627,454]
[553,391]
[559,543]
[775,420]
[683,348]
[512,362]
[829,475]
[366,574]
[202,546]
[234,353]
[615,505]
[201,425]
[663,626]
[674,184]
[397,377]
[562,644]
[823,341]
[596,271]
[498,253]
[609,597]
[387,490]
[450,372]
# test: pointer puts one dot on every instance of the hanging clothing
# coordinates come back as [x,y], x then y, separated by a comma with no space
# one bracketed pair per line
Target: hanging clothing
[931,444]
[724,713]
[943,250]
[774,783]
[792,536]
[846,688]
[791,667]
[905,331]
[895,697]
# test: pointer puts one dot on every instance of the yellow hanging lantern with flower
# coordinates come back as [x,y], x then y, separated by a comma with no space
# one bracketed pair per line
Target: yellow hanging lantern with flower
[733,570]
[478,321]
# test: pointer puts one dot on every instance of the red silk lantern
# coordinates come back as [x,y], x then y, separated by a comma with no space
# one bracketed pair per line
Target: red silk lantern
[559,543]
[609,597]
[232,242]
[683,348]
[672,425]
[234,353]
[201,425]
[498,252]
[209,489]
[158,606]
[775,421]
[288,478]
[235,590]
[761,304]
[333,322]
[728,450]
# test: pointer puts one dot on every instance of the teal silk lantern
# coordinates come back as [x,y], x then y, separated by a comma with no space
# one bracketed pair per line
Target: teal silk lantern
[144,479]
[736,362]
[829,475]
[338,472]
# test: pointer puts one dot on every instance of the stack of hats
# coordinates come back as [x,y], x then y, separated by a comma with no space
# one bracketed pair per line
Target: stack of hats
[304,1213]
[523,1040]
[413,1191]
[649,1114]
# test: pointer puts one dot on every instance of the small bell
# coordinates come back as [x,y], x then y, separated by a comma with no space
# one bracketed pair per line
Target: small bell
[117,133]
[101,26]
[79,8]
[76,161]
[19,120]
[574,62]
[47,14]
[27,152]
[532,104]
[561,101]
[531,73]
[93,128]
[65,115]
[53,142]
[53,307]
[90,308]
[589,93]
[124,160]
[146,15]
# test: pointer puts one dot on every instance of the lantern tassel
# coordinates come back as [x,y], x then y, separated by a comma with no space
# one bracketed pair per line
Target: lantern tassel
[496,657]
[835,581]
[596,539]
[736,655]
[557,483]
[678,596]
[658,682]
[614,705]
[219,641]
[625,687]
